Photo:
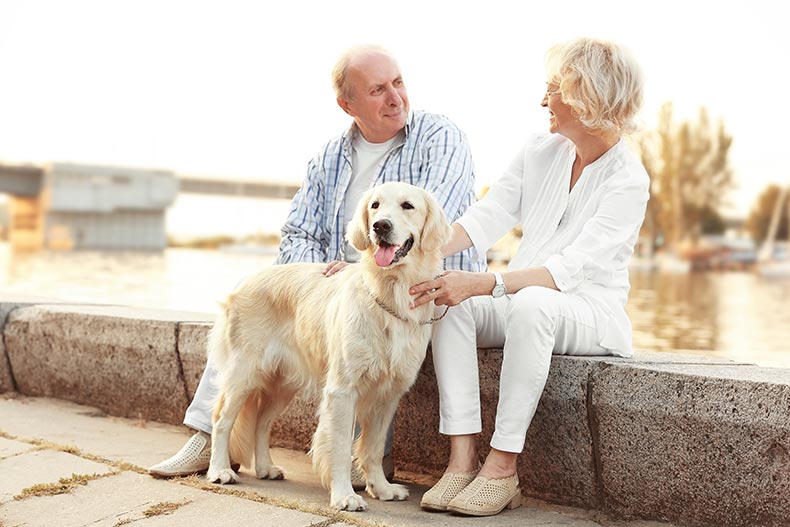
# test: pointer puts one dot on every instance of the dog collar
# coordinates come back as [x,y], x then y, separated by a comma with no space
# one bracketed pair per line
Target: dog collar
[392,312]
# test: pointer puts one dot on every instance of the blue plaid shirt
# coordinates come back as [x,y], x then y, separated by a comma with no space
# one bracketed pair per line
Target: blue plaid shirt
[435,155]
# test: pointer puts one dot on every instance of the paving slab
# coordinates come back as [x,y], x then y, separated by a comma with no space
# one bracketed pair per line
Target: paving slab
[127,497]
[298,500]
[141,443]
[9,447]
[42,466]
[238,512]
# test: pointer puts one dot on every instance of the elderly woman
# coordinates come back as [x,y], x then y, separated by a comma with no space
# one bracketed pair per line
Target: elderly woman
[579,195]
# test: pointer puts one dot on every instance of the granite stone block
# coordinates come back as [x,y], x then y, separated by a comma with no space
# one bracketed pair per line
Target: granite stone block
[119,359]
[192,340]
[7,383]
[8,303]
[697,444]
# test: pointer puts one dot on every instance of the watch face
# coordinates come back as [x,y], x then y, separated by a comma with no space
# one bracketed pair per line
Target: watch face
[499,290]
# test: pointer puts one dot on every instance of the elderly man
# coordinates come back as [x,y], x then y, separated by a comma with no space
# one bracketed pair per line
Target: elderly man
[386,142]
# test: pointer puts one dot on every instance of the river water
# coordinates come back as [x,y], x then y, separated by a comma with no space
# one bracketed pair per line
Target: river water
[735,315]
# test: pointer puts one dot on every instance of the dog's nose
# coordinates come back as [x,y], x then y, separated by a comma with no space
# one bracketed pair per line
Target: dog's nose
[382,227]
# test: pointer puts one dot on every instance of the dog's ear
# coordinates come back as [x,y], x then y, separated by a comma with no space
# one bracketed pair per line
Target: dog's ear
[436,232]
[358,231]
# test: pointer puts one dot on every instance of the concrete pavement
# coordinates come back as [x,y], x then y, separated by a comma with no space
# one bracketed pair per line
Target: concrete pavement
[64,464]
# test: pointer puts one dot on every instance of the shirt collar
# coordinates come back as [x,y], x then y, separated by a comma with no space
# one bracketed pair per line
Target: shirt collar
[351,131]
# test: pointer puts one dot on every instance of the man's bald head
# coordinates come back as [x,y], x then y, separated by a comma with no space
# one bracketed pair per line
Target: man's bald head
[348,59]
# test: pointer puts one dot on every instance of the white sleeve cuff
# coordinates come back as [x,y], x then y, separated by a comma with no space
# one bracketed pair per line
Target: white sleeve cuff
[558,272]
[475,232]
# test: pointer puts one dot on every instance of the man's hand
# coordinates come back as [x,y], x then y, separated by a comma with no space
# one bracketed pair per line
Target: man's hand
[451,288]
[335,266]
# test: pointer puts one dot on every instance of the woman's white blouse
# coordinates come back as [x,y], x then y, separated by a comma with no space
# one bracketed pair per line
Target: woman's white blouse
[584,238]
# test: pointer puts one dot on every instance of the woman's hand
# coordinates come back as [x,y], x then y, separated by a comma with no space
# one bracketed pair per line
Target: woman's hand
[335,266]
[451,288]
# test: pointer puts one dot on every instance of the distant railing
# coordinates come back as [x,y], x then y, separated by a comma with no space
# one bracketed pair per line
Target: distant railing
[248,189]
[27,180]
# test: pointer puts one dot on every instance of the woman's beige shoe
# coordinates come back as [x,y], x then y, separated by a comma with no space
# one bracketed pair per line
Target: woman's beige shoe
[486,497]
[447,488]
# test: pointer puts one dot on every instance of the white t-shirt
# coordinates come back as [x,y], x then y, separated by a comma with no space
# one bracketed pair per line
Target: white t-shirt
[366,158]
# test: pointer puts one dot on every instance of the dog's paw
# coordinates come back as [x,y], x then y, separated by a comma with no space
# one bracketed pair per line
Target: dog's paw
[350,502]
[388,492]
[223,476]
[269,472]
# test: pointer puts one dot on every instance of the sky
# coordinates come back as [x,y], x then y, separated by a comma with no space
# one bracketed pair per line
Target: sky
[241,89]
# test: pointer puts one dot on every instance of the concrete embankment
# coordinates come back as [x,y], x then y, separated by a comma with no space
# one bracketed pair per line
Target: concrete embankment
[692,440]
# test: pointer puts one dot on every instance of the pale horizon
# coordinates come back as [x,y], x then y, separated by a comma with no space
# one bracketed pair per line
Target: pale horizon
[241,90]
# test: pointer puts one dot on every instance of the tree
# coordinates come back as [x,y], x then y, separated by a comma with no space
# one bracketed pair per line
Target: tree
[711,222]
[760,215]
[689,176]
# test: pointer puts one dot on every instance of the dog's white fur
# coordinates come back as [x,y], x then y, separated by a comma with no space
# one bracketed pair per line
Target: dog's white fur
[289,328]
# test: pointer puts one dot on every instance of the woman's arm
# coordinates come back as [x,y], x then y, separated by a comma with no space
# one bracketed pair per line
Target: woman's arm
[453,287]
[459,241]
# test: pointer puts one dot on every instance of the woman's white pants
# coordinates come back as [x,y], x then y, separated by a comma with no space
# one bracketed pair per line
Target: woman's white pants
[529,325]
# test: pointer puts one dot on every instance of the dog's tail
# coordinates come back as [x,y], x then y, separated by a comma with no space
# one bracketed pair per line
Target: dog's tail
[219,336]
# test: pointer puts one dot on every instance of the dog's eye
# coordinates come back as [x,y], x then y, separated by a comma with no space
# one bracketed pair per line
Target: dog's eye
[374,205]
[406,205]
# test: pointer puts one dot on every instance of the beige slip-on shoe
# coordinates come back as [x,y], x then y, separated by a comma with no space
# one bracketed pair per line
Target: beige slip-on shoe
[487,497]
[451,483]
[193,458]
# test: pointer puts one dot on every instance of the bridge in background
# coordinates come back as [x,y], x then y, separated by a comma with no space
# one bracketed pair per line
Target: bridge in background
[66,205]
[27,180]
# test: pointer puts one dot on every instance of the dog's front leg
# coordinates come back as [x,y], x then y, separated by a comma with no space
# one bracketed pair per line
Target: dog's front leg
[376,415]
[332,448]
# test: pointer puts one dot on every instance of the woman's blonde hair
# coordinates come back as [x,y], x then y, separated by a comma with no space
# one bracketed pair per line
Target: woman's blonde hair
[601,81]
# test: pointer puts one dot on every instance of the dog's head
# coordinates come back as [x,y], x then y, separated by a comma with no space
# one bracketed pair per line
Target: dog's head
[395,219]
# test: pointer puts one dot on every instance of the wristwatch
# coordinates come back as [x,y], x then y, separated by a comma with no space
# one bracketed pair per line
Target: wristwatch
[499,287]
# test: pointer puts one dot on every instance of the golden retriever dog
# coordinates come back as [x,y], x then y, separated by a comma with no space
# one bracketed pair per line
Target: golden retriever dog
[351,337]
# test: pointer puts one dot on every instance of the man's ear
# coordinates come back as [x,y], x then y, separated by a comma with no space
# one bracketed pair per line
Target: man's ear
[343,103]
[358,230]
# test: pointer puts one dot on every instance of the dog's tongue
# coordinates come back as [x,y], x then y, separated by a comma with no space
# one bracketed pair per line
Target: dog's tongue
[385,255]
